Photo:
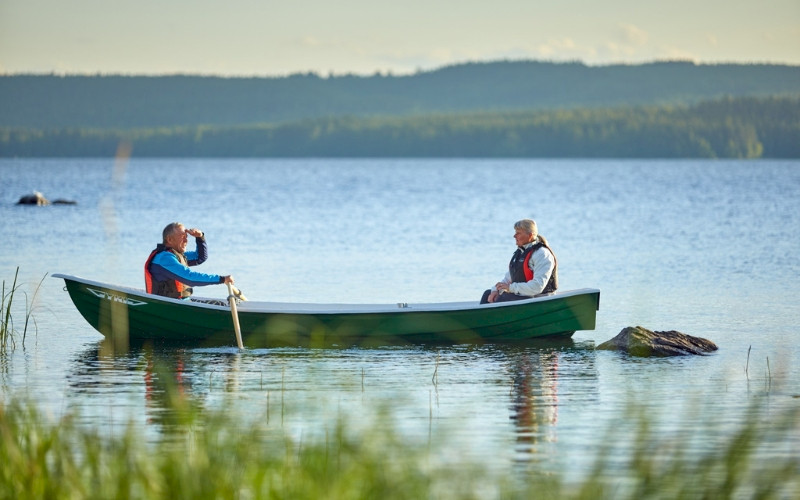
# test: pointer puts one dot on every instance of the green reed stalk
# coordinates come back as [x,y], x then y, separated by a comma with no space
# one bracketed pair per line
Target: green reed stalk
[6,325]
[6,319]
[2,307]
[29,309]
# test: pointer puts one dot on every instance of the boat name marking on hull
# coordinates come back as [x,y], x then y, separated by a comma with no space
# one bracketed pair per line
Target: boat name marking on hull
[102,294]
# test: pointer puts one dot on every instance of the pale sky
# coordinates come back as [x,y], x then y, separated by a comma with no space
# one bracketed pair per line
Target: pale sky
[273,38]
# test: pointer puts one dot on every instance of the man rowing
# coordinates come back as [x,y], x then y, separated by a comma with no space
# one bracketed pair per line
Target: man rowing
[167,270]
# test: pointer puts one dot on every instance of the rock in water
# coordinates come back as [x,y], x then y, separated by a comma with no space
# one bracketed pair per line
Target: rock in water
[639,341]
[36,198]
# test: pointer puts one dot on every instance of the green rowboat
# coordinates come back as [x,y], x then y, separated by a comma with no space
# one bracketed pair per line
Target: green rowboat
[122,313]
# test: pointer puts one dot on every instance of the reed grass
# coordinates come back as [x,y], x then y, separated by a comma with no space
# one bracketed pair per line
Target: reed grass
[207,454]
[5,310]
[7,331]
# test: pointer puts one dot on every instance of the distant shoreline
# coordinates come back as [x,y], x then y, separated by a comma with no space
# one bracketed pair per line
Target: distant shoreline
[744,127]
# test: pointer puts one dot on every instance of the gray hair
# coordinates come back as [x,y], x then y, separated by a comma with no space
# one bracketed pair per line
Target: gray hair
[527,225]
[172,227]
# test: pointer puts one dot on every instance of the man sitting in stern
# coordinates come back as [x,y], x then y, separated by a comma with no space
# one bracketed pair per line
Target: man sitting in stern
[533,269]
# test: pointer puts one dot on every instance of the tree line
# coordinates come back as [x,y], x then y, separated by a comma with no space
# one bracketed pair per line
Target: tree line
[744,127]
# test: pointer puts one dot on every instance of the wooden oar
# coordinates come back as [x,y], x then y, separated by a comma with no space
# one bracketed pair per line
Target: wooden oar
[238,293]
[235,314]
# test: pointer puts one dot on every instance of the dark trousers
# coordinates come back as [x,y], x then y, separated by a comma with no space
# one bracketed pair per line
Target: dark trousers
[503,297]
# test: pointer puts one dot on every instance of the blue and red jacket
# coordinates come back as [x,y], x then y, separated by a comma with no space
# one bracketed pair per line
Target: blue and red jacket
[167,273]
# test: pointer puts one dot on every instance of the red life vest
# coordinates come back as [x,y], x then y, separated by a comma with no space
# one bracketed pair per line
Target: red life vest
[170,288]
[526,268]
[518,268]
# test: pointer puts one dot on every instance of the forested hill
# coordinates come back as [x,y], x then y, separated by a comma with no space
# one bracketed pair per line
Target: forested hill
[124,102]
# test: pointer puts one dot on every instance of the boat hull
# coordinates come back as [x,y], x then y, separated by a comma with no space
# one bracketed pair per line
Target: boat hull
[128,314]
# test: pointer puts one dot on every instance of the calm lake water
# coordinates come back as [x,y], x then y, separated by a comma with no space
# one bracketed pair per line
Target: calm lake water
[709,248]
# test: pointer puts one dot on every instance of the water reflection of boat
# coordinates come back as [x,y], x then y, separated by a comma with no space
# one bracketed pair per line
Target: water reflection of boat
[127,313]
[538,372]
[171,383]
[534,405]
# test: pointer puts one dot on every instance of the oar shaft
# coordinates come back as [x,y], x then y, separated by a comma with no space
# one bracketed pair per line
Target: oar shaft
[235,314]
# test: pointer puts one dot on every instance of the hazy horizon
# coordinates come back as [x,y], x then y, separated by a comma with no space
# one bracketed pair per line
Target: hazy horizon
[246,38]
[386,73]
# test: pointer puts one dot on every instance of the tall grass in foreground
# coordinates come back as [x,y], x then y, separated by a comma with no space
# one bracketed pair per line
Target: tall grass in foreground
[208,454]
[7,330]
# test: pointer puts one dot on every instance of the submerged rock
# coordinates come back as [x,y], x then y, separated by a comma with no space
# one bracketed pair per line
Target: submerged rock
[36,198]
[639,341]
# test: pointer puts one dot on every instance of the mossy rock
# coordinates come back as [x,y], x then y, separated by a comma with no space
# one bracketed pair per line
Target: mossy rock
[639,341]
